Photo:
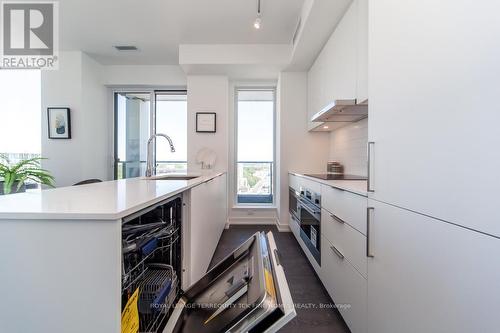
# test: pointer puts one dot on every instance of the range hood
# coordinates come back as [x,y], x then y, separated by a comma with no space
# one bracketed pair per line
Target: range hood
[342,111]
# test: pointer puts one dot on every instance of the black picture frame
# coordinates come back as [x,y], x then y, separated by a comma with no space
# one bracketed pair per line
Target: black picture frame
[198,130]
[52,131]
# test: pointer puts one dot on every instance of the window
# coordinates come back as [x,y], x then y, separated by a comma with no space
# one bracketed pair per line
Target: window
[20,109]
[171,119]
[134,123]
[255,146]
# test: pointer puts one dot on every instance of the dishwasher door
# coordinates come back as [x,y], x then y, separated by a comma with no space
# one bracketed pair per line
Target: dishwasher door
[245,292]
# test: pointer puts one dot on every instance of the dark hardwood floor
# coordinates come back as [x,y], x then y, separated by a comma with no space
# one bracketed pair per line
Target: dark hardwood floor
[305,286]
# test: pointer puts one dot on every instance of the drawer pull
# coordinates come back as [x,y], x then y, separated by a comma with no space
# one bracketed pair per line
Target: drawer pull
[369,187]
[369,254]
[336,218]
[337,252]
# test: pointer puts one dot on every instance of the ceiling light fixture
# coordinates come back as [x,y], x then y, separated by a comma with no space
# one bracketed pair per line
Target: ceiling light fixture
[258,20]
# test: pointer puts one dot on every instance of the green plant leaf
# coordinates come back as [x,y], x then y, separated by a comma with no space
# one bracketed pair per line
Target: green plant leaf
[29,169]
[7,185]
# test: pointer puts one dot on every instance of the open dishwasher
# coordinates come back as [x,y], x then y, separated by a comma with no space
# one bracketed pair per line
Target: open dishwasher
[245,292]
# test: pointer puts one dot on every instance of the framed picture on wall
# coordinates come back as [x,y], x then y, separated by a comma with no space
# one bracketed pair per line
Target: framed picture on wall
[206,122]
[59,123]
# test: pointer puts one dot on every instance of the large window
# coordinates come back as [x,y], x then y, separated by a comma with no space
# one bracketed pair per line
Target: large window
[20,114]
[137,116]
[255,146]
[171,119]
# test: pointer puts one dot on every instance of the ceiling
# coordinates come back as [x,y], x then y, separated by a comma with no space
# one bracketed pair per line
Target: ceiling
[157,27]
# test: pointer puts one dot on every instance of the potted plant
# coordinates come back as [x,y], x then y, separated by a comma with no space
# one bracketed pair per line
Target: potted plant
[13,177]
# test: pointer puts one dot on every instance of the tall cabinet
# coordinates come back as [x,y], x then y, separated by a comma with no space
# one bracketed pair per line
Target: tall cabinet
[433,221]
[434,70]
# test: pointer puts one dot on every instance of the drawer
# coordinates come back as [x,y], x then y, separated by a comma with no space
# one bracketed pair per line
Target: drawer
[346,286]
[349,207]
[293,182]
[309,184]
[349,241]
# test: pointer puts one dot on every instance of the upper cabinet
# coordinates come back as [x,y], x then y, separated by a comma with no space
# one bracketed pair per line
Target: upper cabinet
[362,52]
[340,70]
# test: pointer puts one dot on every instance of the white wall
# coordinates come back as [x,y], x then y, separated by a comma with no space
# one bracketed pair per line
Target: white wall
[348,145]
[80,84]
[208,93]
[77,85]
[144,75]
[299,150]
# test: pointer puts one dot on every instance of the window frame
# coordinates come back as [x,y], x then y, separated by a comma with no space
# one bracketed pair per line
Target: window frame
[152,91]
[237,89]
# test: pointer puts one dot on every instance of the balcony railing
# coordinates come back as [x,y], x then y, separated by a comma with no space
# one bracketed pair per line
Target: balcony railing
[130,169]
[255,182]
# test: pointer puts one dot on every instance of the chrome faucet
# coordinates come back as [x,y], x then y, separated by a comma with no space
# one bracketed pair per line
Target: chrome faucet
[150,165]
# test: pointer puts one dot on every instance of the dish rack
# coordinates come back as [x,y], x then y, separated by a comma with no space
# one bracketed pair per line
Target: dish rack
[151,262]
[157,295]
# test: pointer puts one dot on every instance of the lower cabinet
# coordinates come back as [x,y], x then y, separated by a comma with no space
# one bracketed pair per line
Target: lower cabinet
[430,276]
[346,286]
[208,217]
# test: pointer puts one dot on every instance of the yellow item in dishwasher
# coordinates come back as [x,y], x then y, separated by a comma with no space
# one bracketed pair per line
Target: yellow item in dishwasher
[270,283]
[130,314]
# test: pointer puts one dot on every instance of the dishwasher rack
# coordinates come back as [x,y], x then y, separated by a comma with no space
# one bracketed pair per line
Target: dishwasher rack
[151,262]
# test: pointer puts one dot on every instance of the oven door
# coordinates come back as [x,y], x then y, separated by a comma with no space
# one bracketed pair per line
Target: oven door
[310,232]
[293,202]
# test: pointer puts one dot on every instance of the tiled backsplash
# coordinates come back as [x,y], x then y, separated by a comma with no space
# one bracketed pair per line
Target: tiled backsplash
[348,146]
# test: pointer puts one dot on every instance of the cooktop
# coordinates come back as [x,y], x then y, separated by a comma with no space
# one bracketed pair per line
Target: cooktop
[332,176]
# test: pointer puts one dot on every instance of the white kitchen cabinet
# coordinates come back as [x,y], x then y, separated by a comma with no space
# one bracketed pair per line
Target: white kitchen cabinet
[208,217]
[293,182]
[334,75]
[346,287]
[430,276]
[362,51]
[347,240]
[345,206]
[433,117]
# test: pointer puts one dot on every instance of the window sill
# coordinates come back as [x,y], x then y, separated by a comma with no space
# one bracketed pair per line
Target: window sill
[263,206]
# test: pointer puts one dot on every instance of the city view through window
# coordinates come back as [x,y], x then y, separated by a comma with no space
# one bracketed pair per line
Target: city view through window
[255,146]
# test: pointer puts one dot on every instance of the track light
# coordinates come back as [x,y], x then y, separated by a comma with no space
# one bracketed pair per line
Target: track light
[258,20]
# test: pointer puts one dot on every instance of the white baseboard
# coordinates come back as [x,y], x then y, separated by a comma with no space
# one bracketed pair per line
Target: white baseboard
[251,220]
[257,221]
[283,227]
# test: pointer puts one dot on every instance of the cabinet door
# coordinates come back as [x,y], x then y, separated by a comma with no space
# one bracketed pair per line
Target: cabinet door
[433,85]
[362,51]
[430,276]
[208,218]
[340,53]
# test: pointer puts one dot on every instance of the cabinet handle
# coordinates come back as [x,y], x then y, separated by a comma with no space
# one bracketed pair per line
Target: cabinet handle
[369,183]
[336,218]
[368,250]
[337,252]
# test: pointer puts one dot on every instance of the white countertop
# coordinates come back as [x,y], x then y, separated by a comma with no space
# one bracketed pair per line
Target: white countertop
[111,200]
[354,186]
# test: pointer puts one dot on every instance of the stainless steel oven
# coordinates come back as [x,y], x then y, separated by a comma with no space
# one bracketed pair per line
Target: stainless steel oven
[309,216]
[293,200]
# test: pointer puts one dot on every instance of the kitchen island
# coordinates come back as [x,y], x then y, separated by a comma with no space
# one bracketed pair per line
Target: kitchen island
[61,249]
